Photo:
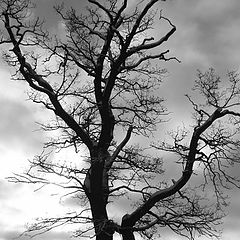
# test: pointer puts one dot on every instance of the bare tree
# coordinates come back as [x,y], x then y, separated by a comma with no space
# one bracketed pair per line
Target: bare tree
[101,80]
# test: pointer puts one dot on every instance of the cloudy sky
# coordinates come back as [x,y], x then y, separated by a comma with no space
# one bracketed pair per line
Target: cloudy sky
[208,35]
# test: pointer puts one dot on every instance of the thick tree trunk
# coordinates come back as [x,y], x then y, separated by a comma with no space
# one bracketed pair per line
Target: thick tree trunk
[104,236]
[127,233]
[96,187]
[103,227]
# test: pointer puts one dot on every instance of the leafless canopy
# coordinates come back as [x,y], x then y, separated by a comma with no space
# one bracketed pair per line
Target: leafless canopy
[100,77]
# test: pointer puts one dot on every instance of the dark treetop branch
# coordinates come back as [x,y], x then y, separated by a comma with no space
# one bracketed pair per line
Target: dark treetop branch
[43,86]
[131,219]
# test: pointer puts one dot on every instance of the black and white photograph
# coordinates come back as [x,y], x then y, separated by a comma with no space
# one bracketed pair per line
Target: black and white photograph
[119,119]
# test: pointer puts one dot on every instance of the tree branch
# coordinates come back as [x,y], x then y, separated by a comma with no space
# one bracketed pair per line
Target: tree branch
[131,219]
[152,45]
[43,86]
[148,57]
[138,21]
[120,147]
[103,8]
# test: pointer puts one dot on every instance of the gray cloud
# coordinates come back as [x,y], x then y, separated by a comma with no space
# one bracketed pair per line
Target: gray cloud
[17,124]
[206,31]
[7,190]
[49,13]
[17,117]
[13,235]
[207,35]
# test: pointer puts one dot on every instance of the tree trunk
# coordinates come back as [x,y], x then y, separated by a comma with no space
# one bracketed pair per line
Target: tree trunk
[127,233]
[96,185]
[104,236]
[103,227]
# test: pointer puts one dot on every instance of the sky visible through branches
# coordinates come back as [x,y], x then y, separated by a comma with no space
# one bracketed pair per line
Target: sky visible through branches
[207,36]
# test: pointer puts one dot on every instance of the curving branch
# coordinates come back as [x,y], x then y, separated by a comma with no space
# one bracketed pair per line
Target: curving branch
[160,56]
[43,86]
[131,219]
[144,46]
[119,148]
[99,5]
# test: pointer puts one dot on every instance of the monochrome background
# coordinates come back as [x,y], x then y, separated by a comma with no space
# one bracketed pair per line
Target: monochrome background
[208,35]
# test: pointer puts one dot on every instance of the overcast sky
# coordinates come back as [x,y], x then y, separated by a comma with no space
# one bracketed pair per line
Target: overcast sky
[208,35]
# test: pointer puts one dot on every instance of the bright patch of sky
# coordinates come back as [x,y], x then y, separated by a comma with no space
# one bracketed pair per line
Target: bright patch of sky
[207,36]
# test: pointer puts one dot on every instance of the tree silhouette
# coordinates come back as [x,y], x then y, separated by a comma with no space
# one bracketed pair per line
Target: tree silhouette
[101,81]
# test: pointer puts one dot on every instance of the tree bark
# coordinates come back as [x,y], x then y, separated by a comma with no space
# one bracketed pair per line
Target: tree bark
[96,189]
[127,233]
